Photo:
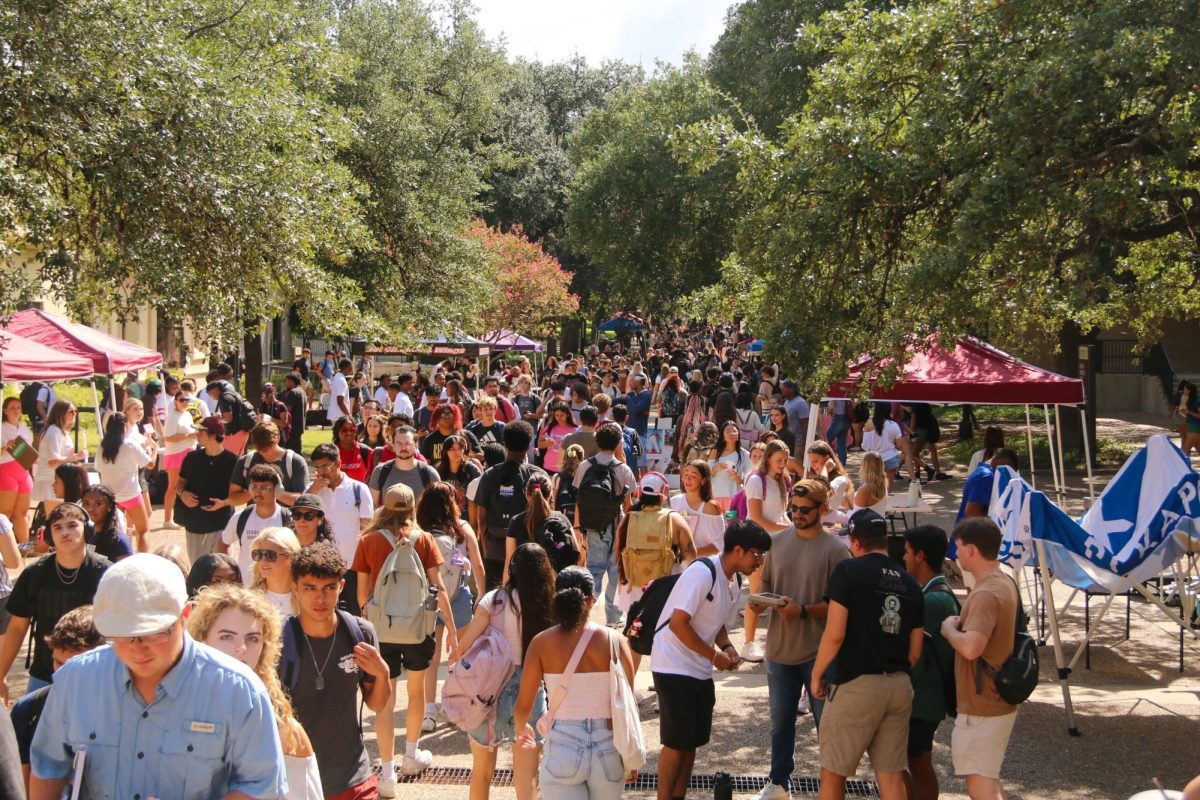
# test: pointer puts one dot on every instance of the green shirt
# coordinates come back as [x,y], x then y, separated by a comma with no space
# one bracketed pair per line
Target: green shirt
[937,656]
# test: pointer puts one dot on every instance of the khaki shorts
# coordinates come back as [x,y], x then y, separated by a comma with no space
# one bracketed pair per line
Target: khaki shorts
[978,744]
[867,715]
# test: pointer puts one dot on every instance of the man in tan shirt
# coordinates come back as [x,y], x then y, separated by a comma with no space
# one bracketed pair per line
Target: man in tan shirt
[984,632]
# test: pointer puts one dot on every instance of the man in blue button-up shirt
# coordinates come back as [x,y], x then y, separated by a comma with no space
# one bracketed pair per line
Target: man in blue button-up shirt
[156,714]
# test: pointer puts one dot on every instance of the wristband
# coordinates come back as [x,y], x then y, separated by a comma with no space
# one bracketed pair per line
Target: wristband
[803,612]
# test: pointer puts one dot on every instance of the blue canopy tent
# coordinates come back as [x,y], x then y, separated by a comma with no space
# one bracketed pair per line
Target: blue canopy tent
[622,323]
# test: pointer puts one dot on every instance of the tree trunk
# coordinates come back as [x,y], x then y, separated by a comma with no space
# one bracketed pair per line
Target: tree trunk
[252,364]
[1067,363]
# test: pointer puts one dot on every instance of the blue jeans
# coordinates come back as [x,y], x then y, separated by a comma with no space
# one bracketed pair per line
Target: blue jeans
[838,429]
[784,682]
[35,684]
[579,762]
[600,562]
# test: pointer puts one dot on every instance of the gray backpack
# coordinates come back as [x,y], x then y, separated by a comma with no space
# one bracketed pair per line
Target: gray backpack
[397,605]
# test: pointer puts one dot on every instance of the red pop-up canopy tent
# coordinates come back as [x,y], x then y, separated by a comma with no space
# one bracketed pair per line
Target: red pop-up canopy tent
[23,359]
[108,354]
[971,372]
[975,372]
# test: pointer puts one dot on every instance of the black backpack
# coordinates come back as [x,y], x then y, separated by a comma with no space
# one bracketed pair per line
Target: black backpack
[245,416]
[599,497]
[930,656]
[557,538]
[29,396]
[1017,677]
[644,613]
[285,515]
[508,495]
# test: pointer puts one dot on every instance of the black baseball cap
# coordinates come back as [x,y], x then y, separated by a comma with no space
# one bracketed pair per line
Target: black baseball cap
[866,521]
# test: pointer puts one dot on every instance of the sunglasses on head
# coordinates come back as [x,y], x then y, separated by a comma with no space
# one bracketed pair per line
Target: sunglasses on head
[265,555]
[307,515]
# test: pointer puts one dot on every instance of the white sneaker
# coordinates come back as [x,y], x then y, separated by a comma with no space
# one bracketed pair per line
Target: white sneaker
[417,764]
[804,706]
[773,791]
[387,785]
[170,525]
[429,723]
[754,653]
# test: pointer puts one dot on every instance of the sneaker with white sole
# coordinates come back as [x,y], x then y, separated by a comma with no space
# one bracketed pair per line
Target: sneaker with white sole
[754,653]
[170,525]
[387,785]
[417,764]
[773,791]
[804,706]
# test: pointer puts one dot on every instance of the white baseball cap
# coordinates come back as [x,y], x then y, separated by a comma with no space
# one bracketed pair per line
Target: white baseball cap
[139,595]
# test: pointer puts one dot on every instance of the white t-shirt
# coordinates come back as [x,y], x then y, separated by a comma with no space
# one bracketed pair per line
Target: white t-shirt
[707,618]
[8,432]
[976,460]
[707,529]
[121,475]
[254,526]
[337,388]
[723,484]
[210,405]
[473,489]
[507,620]
[344,515]
[760,487]
[381,397]
[403,405]
[179,422]
[281,602]
[883,442]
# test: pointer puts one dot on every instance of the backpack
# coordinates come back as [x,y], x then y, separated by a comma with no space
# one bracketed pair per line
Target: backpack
[245,416]
[739,504]
[672,403]
[285,516]
[472,690]
[929,655]
[599,496]
[647,553]
[1017,677]
[557,538]
[29,396]
[289,661]
[508,497]
[397,604]
[284,464]
[385,469]
[644,613]
[452,573]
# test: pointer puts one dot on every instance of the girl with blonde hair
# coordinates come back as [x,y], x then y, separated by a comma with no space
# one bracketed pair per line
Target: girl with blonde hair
[767,490]
[824,463]
[242,624]
[872,475]
[272,552]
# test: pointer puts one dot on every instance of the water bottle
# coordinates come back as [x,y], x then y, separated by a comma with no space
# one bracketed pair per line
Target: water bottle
[431,601]
[914,492]
[730,517]
[722,786]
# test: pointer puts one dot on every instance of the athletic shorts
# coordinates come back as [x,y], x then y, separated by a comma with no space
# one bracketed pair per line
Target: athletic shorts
[867,715]
[920,736]
[15,478]
[133,502]
[977,744]
[412,657]
[174,460]
[685,710]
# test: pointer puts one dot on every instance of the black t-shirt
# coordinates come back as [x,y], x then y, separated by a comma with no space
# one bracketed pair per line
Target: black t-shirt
[526,404]
[301,365]
[330,715]
[431,445]
[487,433]
[885,605]
[297,404]
[208,478]
[42,596]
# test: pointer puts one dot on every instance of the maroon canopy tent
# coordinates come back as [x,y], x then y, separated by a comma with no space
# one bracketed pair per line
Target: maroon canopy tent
[109,355]
[23,359]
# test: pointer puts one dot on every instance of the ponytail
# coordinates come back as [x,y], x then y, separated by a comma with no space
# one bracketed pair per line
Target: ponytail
[538,510]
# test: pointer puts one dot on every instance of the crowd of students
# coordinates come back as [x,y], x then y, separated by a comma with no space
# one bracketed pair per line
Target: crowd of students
[475,518]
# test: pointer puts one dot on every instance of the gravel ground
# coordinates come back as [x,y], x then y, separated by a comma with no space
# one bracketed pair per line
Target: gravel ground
[1135,710]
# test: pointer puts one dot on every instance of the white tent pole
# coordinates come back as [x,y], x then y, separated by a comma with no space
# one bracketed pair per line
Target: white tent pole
[1062,461]
[1055,639]
[1029,440]
[810,435]
[1087,456]
[1053,460]
[96,409]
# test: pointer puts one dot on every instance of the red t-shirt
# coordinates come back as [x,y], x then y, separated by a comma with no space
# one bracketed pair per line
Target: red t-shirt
[356,461]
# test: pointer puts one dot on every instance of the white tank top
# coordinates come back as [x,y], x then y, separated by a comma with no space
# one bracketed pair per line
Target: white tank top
[587,696]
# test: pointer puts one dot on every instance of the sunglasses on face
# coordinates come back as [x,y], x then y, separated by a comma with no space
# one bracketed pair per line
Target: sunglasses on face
[795,509]
[265,555]
[307,516]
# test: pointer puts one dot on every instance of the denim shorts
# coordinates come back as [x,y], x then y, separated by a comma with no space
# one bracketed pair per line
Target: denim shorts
[892,463]
[579,754]
[463,606]
[505,725]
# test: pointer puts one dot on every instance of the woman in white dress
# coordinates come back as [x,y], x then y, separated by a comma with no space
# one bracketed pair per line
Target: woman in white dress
[272,552]
[54,448]
[16,484]
[729,462]
[242,624]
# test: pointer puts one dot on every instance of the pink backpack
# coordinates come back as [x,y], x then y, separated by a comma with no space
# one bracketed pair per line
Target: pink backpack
[739,504]
[472,689]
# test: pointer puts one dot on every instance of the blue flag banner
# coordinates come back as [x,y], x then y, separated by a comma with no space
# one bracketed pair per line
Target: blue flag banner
[1141,523]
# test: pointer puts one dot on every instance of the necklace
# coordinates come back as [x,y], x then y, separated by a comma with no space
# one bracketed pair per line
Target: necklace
[312,651]
[62,574]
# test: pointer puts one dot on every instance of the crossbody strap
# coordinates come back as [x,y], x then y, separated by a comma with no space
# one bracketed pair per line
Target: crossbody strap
[564,681]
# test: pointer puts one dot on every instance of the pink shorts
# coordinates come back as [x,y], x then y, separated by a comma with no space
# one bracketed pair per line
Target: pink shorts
[174,460]
[133,502]
[236,442]
[15,478]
